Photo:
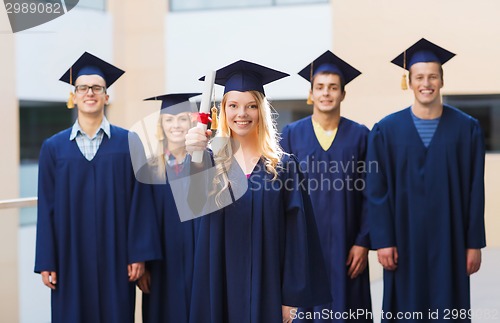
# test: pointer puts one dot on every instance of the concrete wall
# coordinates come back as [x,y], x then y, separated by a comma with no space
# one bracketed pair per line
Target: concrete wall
[492,187]
[138,33]
[9,173]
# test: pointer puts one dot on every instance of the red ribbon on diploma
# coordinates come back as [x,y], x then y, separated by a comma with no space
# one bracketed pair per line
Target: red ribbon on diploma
[204,117]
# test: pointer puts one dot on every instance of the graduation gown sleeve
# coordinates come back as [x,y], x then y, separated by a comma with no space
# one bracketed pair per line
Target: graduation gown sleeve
[363,237]
[285,139]
[475,235]
[380,210]
[305,282]
[143,234]
[46,249]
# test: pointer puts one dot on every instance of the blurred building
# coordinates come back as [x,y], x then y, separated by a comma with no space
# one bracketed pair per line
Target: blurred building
[165,46]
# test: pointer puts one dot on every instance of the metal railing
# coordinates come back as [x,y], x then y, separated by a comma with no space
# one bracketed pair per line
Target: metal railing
[18,203]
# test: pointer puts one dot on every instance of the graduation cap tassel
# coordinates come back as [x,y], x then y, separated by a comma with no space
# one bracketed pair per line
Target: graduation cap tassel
[404,85]
[215,121]
[70,104]
[309,100]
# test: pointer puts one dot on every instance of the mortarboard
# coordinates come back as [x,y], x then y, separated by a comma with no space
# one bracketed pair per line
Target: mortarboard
[423,51]
[329,62]
[175,103]
[89,64]
[246,76]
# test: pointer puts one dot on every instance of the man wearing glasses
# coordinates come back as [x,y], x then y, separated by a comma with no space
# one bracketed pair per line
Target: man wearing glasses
[91,245]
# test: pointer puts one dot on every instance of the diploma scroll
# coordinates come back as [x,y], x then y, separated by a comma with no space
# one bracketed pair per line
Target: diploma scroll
[197,156]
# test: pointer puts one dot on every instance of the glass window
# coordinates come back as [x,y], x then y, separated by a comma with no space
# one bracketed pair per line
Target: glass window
[88,4]
[180,5]
[283,2]
[290,111]
[486,109]
[38,121]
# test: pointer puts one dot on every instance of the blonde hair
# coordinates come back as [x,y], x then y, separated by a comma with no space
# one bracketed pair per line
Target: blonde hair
[268,141]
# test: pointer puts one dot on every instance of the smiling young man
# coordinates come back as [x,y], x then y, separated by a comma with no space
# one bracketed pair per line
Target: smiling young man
[426,200]
[91,246]
[329,148]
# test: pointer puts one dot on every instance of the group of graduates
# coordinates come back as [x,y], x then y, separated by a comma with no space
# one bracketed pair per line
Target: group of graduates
[242,236]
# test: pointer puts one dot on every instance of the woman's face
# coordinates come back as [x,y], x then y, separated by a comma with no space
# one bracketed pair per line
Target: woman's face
[242,113]
[176,126]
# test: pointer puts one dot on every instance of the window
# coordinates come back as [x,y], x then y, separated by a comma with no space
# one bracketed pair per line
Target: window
[486,109]
[290,111]
[87,4]
[38,121]
[183,5]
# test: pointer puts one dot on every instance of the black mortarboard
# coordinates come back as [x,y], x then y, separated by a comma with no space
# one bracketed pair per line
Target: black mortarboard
[329,62]
[175,103]
[246,76]
[89,64]
[422,51]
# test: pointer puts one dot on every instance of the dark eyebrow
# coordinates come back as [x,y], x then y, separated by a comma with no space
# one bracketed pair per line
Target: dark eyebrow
[328,84]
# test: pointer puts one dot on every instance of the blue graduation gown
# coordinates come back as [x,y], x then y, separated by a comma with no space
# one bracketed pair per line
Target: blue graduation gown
[429,203]
[339,209]
[259,253]
[171,277]
[86,230]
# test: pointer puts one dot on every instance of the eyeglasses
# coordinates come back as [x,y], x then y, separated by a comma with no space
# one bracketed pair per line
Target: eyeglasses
[96,89]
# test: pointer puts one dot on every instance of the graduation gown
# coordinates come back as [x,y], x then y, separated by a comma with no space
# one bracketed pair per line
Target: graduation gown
[259,253]
[171,277]
[86,230]
[429,203]
[336,184]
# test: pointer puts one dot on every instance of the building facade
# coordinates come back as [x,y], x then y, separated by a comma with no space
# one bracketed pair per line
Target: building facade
[165,46]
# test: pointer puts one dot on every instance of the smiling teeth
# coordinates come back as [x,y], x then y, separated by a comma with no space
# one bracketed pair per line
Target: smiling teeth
[242,122]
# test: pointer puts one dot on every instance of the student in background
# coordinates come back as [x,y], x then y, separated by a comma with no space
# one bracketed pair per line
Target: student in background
[331,150]
[166,284]
[426,197]
[91,247]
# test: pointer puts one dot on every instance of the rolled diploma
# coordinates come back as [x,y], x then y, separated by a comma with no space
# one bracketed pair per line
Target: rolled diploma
[197,156]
